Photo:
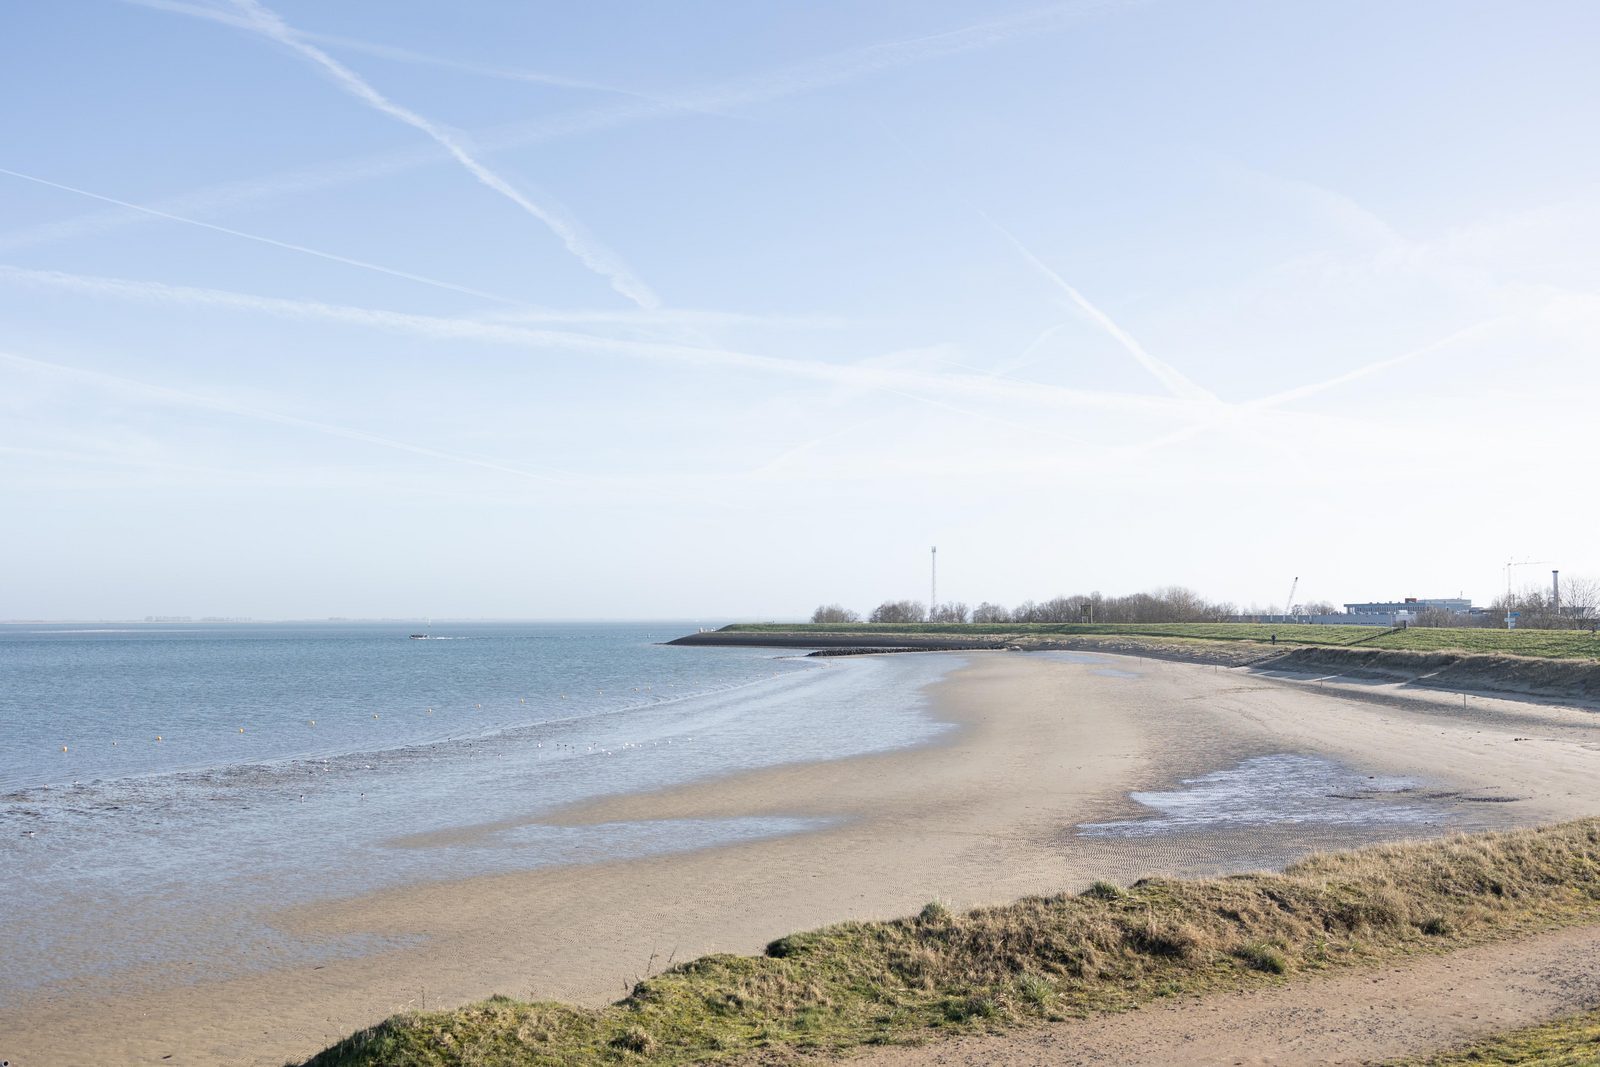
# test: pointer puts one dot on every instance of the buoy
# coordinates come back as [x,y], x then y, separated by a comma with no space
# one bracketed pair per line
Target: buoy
[63,748]
[241,729]
[158,737]
[522,700]
[374,715]
[313,722]
[478,705]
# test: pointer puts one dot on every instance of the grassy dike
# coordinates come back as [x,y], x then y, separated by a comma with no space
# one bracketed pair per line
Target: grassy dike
[1038,959]
[1559,644]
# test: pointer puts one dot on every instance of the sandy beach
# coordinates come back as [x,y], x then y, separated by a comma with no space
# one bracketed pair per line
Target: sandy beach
[985,815]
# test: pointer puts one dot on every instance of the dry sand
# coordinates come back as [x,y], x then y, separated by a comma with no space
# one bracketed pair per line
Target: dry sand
[982,817]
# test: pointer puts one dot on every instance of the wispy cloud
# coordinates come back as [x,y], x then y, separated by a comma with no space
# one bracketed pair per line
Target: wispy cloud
[258,238]
[181,398]
[823,72]
[959,388]
[581,244]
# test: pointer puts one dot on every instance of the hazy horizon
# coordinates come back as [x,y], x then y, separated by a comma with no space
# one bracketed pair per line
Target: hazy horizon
[724,311]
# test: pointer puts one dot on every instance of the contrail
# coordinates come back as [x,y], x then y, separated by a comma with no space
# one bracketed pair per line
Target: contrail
[1287,396]
[195,400]
[522,313]
[591,253]
[346,260]
[406,55]
[956,386]
[1301,392]
[1175,381]
[669,317]
[823,72]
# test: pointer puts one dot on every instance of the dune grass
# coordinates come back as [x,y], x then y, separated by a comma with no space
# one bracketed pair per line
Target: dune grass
[1568,1042]
[1041,958]
[1560,644]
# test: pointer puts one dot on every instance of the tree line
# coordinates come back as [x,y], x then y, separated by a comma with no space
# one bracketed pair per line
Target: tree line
[1579,607]
[1172,604]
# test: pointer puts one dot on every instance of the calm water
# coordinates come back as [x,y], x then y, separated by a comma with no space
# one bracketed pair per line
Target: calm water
[1285,789]
[304,761]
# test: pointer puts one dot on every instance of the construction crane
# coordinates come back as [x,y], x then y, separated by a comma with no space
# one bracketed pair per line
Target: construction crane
[1288,605]
[1513,563]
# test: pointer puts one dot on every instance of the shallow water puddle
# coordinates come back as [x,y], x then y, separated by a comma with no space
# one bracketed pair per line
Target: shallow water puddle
[1282,790]
[1105,665]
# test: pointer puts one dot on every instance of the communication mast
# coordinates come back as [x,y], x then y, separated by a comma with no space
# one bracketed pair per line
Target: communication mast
[933,581]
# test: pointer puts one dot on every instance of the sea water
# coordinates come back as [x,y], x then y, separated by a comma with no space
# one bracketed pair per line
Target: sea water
[164,788]
[1285,789]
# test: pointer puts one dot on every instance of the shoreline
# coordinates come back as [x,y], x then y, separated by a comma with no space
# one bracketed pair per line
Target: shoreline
[1565,682]
[982,815]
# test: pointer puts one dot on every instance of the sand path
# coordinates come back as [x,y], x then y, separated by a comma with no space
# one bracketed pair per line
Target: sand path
[1405,1010]
[982,817]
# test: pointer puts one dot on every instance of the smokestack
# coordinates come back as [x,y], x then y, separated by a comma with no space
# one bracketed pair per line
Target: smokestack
[1555,590]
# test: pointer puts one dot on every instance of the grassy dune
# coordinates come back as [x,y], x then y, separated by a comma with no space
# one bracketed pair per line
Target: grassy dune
[1561,644]
[1045,958]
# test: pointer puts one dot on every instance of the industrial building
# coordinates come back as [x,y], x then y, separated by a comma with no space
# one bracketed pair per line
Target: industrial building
[1412,605]
[1397,612]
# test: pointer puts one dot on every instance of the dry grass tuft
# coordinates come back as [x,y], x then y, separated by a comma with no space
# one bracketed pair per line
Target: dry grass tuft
[1570,1042]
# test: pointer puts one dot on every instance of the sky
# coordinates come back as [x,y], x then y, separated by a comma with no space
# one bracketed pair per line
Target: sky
[723,310]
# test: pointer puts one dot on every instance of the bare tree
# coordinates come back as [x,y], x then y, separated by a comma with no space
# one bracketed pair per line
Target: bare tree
[834,613]
[899,611]
[1437,617]
[990,613]
[1058,609]
[1170,604]
[1535,609]
[1580,597]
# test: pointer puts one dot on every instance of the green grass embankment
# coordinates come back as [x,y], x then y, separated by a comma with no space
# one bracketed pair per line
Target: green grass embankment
[1046,958]
[1558,644]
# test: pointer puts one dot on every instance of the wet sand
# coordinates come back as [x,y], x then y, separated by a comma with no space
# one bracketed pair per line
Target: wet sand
[986,815]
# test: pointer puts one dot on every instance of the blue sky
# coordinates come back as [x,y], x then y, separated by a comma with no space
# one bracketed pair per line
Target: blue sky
[714,309]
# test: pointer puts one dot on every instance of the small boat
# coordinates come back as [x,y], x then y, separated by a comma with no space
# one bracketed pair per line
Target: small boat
[419,637]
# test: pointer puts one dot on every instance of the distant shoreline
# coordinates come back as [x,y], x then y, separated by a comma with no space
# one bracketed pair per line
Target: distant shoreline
[1556,676]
